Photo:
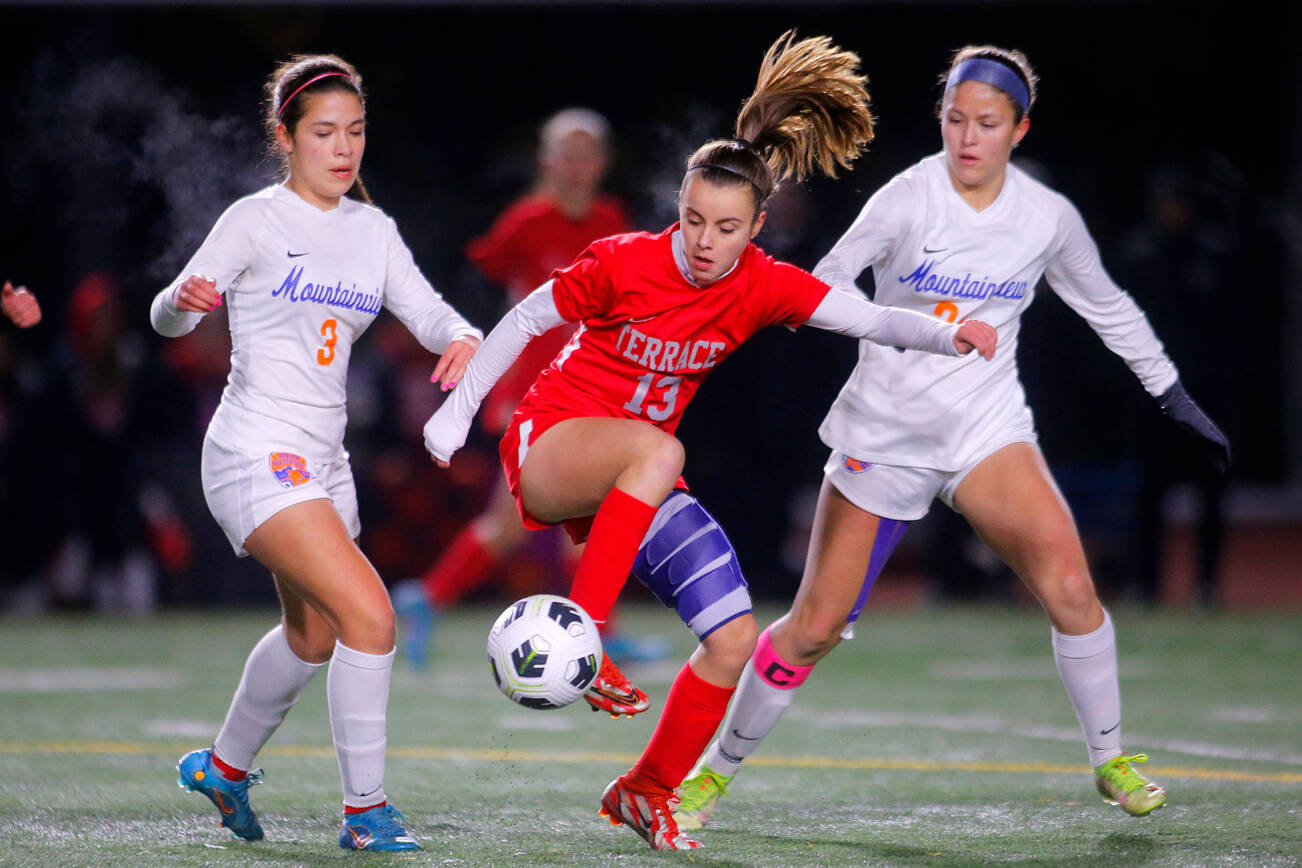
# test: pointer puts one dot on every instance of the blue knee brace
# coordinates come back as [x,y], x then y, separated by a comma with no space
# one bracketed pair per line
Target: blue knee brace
[688,563]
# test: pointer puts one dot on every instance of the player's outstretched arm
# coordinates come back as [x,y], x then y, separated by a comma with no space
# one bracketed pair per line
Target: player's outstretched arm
[20,306]
[1186,413]
[853,315]
[446,430]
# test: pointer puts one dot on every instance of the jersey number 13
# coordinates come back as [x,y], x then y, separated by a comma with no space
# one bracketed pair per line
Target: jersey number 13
[667,397]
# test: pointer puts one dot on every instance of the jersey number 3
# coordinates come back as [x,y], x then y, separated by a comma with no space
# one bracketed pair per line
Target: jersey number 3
[669,395]
[326,354]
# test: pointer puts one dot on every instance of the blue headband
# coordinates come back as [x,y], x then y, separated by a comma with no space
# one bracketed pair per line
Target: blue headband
[991,72]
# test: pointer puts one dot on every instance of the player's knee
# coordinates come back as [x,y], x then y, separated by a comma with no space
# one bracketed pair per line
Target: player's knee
[1074,589]
[369,625]
[731,645]
[814,635]
[1058,571]
[664,456]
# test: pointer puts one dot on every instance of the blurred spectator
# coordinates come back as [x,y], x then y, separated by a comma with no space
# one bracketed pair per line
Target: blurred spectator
[31,483]
[108,417]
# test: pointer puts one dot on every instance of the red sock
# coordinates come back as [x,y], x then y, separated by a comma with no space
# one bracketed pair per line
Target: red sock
[693,711]
[617,531]
[349,809]
[228,771]
[461,569]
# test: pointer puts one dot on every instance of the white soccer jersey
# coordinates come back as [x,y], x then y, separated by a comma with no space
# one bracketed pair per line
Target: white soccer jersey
[931,252]
[300,285]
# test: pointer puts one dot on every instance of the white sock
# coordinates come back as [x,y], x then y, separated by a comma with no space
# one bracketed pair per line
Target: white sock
[1088,666]
[756,708]
[357,691]
[274,676]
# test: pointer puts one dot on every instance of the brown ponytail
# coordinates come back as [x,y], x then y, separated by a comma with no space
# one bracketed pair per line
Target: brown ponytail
[810,111]
[287,91]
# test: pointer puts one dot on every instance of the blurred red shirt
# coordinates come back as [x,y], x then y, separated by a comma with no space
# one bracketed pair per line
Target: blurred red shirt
[528,241]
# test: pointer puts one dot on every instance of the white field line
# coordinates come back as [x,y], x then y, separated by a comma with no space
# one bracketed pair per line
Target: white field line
[90,678]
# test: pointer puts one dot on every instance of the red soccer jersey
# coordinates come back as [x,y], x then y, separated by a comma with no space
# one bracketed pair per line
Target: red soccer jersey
[647,338]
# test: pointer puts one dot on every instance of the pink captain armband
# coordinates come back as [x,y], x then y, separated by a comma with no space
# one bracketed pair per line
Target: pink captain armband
[773,669]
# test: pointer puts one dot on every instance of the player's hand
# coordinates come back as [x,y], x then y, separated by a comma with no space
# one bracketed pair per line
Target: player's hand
[20,306]
[976,335]
[443,436]
[453,362]
[1186,413]
[197,294]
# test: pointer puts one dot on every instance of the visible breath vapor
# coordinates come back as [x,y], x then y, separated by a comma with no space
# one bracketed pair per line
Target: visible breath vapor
[106,128]
[673,145]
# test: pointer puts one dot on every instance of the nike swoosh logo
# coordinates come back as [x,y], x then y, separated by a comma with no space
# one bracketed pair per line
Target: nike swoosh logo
[1106,731]
[937,250]
[295,255]
[737,733]
[643,318]
[371,793]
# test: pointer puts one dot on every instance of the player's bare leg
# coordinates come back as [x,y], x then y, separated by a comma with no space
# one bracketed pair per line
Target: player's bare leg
[618,471]
[840,549]
[307,632]
[1013,504]
[311,554]
[573,465]
[309,550]
[836,577]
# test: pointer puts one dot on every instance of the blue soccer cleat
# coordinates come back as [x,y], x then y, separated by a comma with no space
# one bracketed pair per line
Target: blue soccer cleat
[415,621]
[198,774]
[377,829]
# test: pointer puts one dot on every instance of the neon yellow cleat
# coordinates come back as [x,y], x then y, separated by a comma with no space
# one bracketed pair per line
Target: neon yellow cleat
[1119,784]
[697,795]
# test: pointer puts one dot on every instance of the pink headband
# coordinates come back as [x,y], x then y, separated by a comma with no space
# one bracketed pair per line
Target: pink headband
[281,110]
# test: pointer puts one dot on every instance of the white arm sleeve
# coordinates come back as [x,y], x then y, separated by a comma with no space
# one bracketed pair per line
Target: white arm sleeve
[1077,275]
[224,256]
[446,430]
[166,319]
[855,316]
[419,306]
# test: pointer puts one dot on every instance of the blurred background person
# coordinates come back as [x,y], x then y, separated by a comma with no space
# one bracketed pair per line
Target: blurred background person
[541,231]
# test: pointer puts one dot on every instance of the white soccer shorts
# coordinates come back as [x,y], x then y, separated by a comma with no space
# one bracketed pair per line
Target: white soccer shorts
[245,488]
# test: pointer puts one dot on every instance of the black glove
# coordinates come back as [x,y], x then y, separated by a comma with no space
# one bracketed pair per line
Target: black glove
[1186,413]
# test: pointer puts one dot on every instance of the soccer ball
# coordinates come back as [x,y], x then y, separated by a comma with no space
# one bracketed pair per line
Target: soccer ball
[544,651]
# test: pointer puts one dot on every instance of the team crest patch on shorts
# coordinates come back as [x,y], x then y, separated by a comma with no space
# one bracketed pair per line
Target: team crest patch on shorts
[854,465]
[290,469]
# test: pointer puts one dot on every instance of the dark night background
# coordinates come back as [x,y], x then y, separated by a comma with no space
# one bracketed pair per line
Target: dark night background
[128,129]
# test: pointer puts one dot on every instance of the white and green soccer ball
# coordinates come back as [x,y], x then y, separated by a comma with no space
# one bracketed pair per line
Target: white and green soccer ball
[544,651]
